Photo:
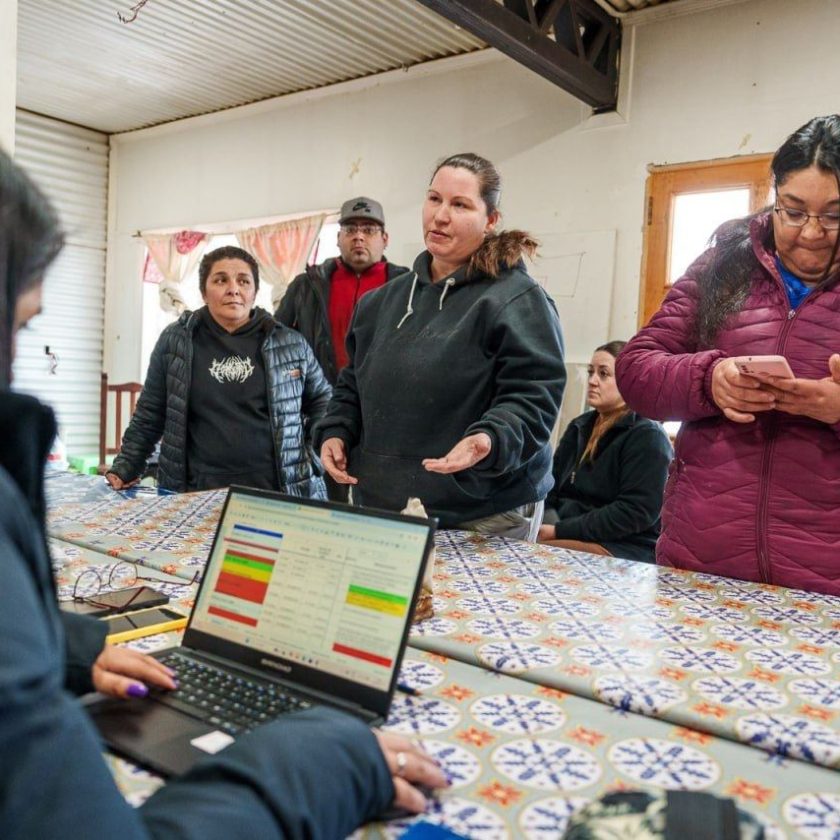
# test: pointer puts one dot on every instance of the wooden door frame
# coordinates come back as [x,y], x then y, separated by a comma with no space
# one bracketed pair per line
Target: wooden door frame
[662,184]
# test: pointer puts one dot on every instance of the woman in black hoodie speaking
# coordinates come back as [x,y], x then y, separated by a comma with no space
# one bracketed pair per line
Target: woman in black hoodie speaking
[456,372]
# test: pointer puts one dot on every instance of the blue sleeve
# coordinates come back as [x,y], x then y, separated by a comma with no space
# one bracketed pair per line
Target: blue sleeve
[313,775]
[84,639]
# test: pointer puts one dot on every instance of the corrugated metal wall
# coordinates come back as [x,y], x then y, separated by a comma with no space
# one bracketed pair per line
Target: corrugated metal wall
[71,166]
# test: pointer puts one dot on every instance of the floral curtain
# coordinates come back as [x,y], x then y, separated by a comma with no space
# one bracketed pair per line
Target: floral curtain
[281,250]
[173,258]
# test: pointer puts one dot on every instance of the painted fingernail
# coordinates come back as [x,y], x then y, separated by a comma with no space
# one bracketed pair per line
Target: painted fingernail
[137,690]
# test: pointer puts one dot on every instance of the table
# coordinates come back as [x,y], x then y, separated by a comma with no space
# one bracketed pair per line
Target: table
[523,757]
[171,533]
[755,663]
[661,660]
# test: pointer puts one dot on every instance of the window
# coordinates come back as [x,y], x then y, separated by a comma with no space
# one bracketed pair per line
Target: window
[155,320]
[685,204]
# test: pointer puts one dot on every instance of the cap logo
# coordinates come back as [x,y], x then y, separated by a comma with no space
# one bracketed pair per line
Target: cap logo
[361,205]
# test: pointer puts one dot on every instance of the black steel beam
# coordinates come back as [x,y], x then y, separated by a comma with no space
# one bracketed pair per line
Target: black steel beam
[581,58]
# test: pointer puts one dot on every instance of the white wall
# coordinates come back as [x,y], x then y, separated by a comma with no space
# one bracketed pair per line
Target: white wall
[8,73]
[735,80]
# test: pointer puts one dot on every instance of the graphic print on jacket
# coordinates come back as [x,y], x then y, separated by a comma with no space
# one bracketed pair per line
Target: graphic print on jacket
[229,438]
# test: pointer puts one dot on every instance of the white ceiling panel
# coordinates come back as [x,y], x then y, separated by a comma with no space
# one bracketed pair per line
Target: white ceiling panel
[77,62]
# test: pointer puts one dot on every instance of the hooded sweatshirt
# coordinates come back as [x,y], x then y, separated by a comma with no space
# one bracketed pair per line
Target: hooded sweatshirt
[431,363]
[228,407]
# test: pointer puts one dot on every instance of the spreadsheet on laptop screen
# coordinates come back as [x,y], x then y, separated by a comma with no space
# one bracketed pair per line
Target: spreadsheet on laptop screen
[326,588]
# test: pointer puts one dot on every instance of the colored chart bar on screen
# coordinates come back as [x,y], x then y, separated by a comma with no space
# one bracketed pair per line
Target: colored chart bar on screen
[374,599]
[232,616]
[365,655]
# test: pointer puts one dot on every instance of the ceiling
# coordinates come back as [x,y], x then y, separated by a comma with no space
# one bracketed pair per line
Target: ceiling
[78,63]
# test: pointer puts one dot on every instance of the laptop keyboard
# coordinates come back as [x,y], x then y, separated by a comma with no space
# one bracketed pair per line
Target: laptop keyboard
[232,703]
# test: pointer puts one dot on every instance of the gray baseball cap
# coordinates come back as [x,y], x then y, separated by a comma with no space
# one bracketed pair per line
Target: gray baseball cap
[362,208]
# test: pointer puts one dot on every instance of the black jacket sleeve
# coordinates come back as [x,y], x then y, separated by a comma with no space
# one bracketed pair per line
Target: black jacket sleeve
[344,412]
[645,456]
[84,638]
[287,309]
[147,422]
[530,378]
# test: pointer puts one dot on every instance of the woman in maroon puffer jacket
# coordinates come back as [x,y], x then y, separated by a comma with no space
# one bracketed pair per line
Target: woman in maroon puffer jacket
[754,489]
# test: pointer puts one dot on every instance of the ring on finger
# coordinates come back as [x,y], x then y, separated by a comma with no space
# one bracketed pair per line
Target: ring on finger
[402,761]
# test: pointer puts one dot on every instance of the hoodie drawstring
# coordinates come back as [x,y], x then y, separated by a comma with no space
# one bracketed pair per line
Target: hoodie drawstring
[446,287]
[409,310]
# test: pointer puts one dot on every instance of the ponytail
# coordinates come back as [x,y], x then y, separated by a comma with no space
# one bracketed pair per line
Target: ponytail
[500,251]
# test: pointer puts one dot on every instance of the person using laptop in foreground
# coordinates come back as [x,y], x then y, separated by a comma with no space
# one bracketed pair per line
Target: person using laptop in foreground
[317,775]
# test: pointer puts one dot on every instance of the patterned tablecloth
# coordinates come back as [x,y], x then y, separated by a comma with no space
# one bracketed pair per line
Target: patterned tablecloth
[755,663]
[523,757]
[172,533]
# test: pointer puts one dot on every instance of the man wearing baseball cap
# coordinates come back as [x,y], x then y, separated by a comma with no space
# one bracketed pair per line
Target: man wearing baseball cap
[319,303]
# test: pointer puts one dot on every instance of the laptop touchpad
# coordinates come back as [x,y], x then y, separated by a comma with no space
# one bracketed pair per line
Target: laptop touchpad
[153,734]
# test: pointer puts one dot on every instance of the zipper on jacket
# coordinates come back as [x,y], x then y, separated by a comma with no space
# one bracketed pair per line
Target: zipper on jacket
[281,485]
[765,566]
[191,326]
[762,552]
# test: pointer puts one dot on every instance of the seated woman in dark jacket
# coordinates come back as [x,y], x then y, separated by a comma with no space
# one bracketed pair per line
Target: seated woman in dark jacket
[307,775]
[232,392]
[609,474]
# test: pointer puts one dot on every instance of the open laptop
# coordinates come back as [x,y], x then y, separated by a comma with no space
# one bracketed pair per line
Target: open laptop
[301,603]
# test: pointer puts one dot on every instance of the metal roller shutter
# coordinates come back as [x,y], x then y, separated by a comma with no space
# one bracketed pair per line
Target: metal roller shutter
[71,165]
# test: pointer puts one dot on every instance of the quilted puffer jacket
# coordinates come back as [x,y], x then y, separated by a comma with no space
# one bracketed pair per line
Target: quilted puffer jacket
[756,501]
[295,403]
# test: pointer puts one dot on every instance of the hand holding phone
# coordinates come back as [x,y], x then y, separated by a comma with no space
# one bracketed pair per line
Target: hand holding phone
[760,367]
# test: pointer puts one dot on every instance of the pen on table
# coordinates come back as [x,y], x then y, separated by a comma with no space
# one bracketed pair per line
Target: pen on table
[407,689]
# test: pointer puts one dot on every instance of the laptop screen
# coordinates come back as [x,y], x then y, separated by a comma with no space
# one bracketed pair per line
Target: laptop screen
[317,585]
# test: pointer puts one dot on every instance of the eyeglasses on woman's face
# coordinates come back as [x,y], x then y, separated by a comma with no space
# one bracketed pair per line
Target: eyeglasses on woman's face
[791,217]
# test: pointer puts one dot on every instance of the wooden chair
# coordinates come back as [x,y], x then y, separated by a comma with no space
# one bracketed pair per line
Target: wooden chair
[133,389]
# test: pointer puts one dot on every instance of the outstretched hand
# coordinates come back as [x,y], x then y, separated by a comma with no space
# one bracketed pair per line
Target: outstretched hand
[334,459]
[465,454]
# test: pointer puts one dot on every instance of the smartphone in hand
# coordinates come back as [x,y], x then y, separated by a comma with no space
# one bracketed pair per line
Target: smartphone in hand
[758,366]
